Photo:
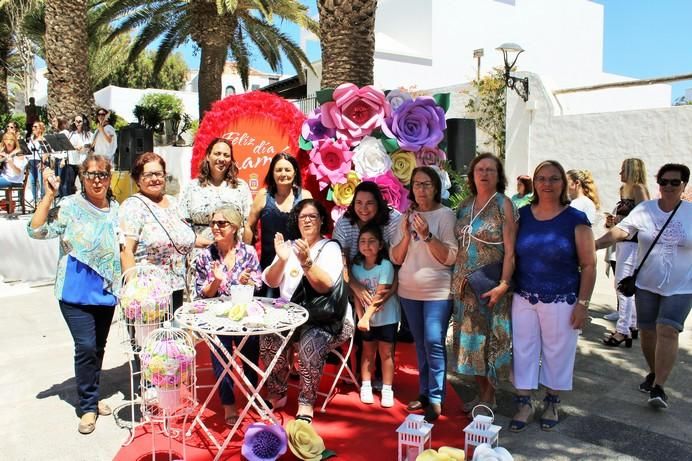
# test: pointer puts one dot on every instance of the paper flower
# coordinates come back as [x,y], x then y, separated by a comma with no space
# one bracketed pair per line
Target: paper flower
[237,312]
[264,442]
[416,124]
[397,97]
[370,158]
[331,160]
[403,164]
[355,112]
[343,193]
[166,363]
[446,183]
[337,212]
[393,192]
[313,129]
[430,156]
[432,455]
[303,441]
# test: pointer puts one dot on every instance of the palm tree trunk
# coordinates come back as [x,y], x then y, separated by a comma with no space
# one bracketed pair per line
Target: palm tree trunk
[209,83]
[5,47]
[347,38]
[69,90]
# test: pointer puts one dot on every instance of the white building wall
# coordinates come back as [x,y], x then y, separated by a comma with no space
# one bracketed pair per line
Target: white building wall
[124,100]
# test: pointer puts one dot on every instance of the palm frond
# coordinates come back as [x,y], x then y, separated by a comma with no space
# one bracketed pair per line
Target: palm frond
[241,56]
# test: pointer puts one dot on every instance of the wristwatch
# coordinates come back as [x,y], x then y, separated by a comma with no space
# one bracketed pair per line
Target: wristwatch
[428,238]
[306,265]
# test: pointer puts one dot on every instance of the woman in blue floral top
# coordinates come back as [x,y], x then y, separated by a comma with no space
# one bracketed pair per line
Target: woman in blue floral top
[227,262]
[88,275]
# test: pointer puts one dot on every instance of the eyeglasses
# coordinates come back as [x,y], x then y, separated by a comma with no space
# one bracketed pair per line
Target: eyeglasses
[422,185]
[486,170]
[154,174]
[309,217]
[552,179]
[672,182]
[101,113]
[219,224]
[93,175]
[78,121]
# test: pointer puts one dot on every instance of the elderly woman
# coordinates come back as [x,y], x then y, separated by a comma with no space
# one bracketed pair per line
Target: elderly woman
[272,207]
[486,230]
[227,262]
[426,248]
[555,275]
[88,273]
[316,261]
[153,226]
[664,279]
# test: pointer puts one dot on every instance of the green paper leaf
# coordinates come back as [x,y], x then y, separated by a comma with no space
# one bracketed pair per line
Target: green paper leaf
[324,95]
[390,144]
[378,134]
[326,454]
[330,195]
[442,100]
[304,143]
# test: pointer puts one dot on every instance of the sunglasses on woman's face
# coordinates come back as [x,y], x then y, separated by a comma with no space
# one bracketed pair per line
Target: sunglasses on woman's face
[100,175]
[672,182]
[219,224]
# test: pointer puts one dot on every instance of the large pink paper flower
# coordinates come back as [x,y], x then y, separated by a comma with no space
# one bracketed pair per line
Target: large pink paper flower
[330,161]
[431,156]
[355,112]
[392,190]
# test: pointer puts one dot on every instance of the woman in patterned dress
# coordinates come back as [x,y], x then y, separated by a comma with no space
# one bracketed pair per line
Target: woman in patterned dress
[486,229]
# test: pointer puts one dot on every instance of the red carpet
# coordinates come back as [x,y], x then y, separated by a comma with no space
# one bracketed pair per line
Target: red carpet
[353,430]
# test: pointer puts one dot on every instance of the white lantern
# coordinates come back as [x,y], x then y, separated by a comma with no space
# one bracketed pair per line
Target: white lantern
[481,430]
[414,434]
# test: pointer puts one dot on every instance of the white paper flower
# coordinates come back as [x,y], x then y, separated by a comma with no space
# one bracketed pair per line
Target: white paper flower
[444,179]
[370,158]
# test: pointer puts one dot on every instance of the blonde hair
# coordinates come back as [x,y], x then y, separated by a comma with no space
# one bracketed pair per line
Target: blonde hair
[233,216]
[11,136]
[41,127]
[634,171]
[587,184]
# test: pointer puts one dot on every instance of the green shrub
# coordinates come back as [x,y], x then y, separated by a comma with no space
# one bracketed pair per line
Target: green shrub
[153,109]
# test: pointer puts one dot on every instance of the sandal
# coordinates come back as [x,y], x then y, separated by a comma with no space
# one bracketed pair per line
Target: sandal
[306,418]
[517,425]
[612,341]
[552,401]
[420,404]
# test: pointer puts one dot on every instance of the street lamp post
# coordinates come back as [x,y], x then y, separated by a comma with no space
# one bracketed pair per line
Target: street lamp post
[510,53]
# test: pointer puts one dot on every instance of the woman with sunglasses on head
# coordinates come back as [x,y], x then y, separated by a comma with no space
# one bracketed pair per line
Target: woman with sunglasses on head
[153,226]
[37,158]
[89,273]
[227,262]
[272,207]
[664,279]
[80,137]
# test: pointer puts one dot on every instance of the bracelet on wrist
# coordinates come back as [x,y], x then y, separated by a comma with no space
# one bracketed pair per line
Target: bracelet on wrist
[503,282]
[428,238]
[584,302]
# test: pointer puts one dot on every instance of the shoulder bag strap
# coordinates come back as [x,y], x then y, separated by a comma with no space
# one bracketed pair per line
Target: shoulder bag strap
[657,237]
[162,226]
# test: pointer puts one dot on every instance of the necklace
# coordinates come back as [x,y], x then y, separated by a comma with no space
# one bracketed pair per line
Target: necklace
[466,231]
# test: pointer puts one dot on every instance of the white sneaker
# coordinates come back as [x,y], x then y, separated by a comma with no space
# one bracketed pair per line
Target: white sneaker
[387,400]
[366,395]
[612,316]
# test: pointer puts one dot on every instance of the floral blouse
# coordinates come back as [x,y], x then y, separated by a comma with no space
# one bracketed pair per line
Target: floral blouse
[156,229]
[245,259]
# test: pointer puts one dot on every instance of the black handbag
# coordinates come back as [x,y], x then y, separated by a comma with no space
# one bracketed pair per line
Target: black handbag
[627,286]
[484,279]
[325,310]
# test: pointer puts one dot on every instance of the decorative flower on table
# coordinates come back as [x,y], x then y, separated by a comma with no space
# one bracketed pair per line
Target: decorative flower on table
[313,129]
[403,163]
[264,442]
[416,124]
[393,192]
[431,156]
[237,312]
[355,112]
[370,158]
[303,441]
[331,160]
[342,194]
[397,97]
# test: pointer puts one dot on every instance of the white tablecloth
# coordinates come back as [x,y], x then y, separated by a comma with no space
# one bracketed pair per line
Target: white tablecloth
[23,258]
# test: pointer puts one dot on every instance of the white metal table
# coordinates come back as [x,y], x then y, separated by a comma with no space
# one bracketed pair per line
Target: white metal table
[201,316]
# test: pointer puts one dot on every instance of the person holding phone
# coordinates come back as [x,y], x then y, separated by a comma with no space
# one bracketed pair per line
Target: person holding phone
[105,142]
[80,137]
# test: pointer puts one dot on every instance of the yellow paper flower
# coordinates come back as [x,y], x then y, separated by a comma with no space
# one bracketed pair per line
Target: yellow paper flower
[432,455]
[403,163]
[303,441]
[457,454]
[343,193]
[237,312]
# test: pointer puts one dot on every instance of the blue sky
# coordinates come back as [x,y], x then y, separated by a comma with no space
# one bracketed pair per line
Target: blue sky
[642,39]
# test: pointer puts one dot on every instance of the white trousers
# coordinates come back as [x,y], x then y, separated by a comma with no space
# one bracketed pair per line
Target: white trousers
[626,262]
[544,344]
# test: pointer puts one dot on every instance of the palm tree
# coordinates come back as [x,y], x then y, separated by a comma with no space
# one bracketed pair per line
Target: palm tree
[347,39]
[217,27]
[5,53]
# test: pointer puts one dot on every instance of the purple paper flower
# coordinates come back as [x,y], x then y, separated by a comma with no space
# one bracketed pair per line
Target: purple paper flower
[416,124]
[264,442]
[314,130]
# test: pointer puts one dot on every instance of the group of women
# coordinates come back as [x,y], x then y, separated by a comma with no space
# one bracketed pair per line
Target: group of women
[517,283]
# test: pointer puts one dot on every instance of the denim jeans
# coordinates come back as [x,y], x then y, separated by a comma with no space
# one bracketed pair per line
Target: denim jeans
[89,326]
[428,322]
[250,350]
[35,180]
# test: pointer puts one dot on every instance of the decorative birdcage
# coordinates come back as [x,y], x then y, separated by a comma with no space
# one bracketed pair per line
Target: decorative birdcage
[414,434]
[481,430]
[145,301]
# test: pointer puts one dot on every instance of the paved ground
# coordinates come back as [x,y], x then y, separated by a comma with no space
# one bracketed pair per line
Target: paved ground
[605,417]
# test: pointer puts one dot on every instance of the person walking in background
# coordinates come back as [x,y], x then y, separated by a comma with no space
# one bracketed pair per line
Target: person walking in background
[583,193]
[105,141]
[664,279]
[486,230]
[555,276]
[632,192]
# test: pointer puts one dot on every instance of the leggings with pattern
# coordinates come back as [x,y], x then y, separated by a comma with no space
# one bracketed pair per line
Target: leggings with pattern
[313,346]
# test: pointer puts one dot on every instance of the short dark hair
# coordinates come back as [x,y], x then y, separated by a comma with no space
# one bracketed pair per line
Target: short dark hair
[205,170]
[382,215]
[501,178]
[269,180]
[293,217]
[527,183]
[374,229]
[434,177]
[683,169]
[140,161]
[564,198]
